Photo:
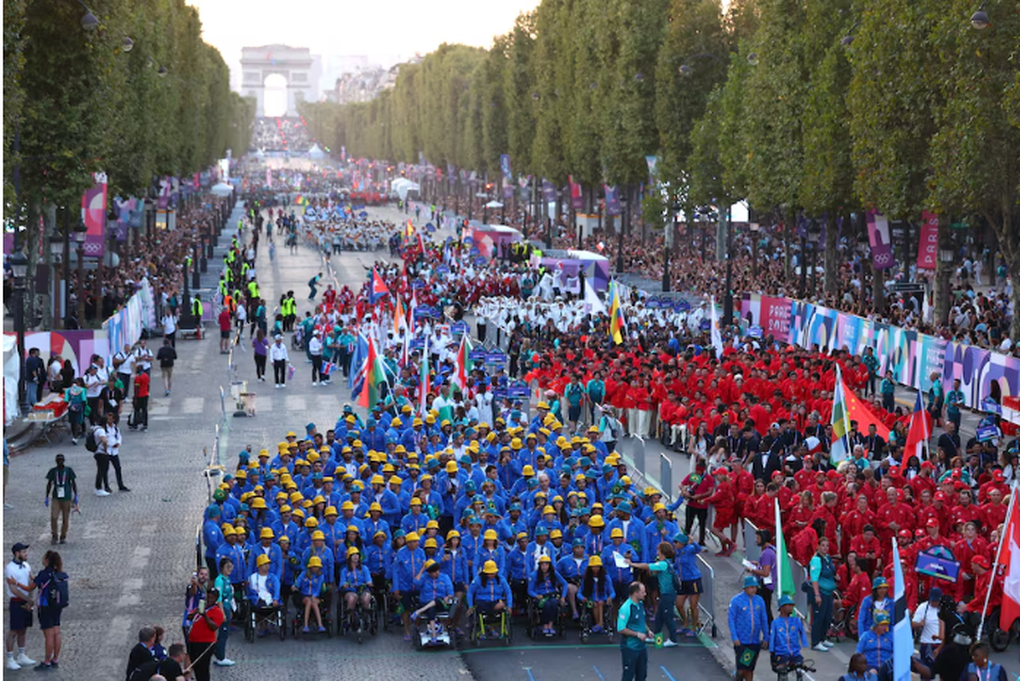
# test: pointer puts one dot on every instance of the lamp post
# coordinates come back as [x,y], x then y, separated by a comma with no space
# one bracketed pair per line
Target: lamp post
[947,254]
[619,235]
[814,238]
[724,215]
[19,266]
[79,239]
[671,229]
[754,228]
[196,282]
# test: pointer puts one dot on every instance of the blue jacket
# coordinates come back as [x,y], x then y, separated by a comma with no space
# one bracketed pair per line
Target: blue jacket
[497,555]
[568,567]
[747,619]
[291,567]
[272,586]
[310,585]
[787,636]
[687,561]
[406,566]
[516,563]
[212,537]
[545,587]
[414,523]
[617,574]
[866,612]
[236,555]
[434,588]
[602,589]
[350,580]
[876,648]
[379,559]
[275,560]
[456,567]
[497,589]
[326,556]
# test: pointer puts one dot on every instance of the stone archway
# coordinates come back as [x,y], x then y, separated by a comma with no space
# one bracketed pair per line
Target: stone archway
[293,63]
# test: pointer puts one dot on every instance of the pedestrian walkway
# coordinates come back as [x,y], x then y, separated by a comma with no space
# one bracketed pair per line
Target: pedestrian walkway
[130,555]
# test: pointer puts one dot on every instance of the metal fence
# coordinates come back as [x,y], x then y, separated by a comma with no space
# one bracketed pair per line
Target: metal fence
[707,602]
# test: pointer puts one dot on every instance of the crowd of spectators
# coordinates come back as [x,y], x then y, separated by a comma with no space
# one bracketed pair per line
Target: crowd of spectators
[281,134]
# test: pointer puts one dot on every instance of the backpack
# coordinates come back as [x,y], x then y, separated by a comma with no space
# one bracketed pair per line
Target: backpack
[56,592]
[91,444]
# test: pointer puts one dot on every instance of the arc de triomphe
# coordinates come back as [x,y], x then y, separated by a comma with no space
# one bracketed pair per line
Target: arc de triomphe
[293,63]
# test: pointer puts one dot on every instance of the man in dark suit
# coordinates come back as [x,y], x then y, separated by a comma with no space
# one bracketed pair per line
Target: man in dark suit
[765,463]
[142,652]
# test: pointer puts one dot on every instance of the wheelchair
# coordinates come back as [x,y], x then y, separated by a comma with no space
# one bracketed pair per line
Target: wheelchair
[256,618]
[844,620]
[493,626]
[385,606]
[784,667]
[534,619]
[358,621]
[443,634]
[297,622]
[587,621]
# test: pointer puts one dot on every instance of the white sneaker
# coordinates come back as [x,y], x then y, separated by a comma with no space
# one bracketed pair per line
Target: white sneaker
[12,665]
[314,383]
[277,386]
[828,644]
[24,660]
[102,493]
[820,648]
[225,662]
[668,644]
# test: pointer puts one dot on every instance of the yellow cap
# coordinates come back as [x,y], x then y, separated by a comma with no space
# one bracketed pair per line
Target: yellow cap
[375,507]
[228,530]
[597,521]
[311,522]
[266,533]
[262,560]
[594,561]
[317,535]
[315,561]
[259,503]
[352,550]
[412,536]
[432,525]
[617,532]
[452,534]
[331,510]
[490,567]
[347,506]
[430,543]
[491,534]
[555,534]
[548,509]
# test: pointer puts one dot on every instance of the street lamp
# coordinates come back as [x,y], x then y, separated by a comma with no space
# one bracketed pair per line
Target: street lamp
[754,228]
[671,228]
[979,19]
[127,44]
[89,21]
[19,266]
[814,233]
[79,239]
[620,231]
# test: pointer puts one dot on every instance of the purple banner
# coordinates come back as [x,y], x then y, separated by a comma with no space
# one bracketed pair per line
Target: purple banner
[548,191]
[612,200]
[881,243]
[93,209]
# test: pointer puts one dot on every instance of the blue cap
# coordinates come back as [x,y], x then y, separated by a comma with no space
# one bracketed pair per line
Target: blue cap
[749,581]
[624,507]
[542,530]
[478,499]
[585,461]
[212,511]
[515,507]
[370,422]
[578,542]
[470,486]
[786,600]
[878,582]
[681,538]
[606,468]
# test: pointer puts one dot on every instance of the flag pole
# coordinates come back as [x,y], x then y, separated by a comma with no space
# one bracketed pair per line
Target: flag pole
[998,556]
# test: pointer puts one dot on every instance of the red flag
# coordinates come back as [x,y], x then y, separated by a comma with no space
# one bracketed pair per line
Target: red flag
[1010,558]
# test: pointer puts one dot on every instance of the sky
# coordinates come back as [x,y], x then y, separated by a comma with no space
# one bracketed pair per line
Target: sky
[385,31]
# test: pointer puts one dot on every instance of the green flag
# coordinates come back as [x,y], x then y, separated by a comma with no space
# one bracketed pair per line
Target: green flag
[784,575]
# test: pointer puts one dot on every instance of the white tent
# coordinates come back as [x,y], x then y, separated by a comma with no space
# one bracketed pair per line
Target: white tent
[12,373]
[316,152]
[222,189]
[402,186]
[494,204]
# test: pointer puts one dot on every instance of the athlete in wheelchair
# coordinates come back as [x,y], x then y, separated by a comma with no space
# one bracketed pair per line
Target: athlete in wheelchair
[431,620]
[547,599]
[786,638]
[490,601]
[597,594]
[313,598]
[358,609]
[263,608]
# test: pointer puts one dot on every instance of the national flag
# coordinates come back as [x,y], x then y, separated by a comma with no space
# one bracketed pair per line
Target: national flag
[592,304]
[860,411]
[784,585]
[919,432]
[424,379]
[377,288]
[358,353]
[715,332]
[1009,556]
[464,363]
[327,368]
[903,639]
[840,449]
[421,243]
[371,374]
[616,321]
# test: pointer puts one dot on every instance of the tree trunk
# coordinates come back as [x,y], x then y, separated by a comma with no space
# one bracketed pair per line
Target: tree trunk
[789,219]
[878,290]
[831,265]
[46,299]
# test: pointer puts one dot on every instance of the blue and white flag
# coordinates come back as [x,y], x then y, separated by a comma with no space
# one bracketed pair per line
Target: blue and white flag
[903,639]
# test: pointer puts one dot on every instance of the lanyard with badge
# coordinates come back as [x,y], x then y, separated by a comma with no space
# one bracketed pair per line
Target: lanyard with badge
[60,485]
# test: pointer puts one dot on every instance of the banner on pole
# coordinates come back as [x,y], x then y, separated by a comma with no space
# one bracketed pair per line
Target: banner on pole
[881,244]
[928,243]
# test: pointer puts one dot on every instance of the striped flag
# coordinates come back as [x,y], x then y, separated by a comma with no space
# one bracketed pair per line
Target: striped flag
[840,422]
[903,639]
[398,318]
[784,585]
[616,321]
[715,332]
[919,432]
[376,288]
